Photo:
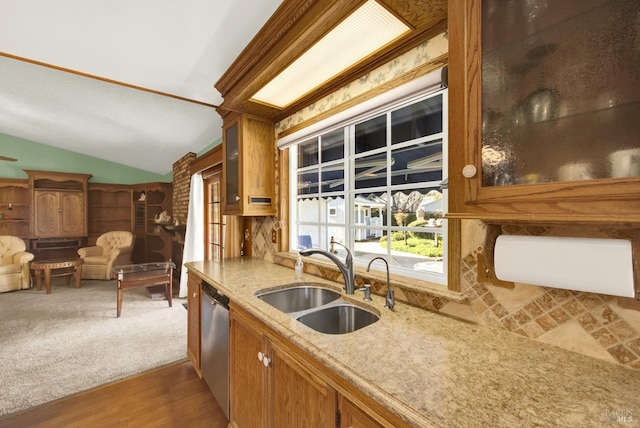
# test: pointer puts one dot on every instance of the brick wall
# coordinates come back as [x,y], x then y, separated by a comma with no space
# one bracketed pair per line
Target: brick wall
[182,186]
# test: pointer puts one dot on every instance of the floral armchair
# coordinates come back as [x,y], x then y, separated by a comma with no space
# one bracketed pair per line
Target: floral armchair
[111,249]
[14,264]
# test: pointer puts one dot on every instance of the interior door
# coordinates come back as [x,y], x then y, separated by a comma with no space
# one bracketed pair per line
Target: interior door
[213,218]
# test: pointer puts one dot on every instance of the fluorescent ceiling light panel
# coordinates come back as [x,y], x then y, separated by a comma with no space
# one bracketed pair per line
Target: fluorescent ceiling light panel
[362,33]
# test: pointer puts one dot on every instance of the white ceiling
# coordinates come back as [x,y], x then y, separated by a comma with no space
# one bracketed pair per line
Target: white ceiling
[179,48]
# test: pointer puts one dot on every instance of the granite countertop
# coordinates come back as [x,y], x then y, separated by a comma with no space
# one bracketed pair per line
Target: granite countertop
[436,371]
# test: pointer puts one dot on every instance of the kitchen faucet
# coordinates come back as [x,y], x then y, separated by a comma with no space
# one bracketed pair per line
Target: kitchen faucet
[346,268]
[390,301]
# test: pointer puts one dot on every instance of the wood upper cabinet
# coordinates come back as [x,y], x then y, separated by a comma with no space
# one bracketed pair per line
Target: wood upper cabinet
[59,204]
[193,321]
[270,386]
[248,166]
[543,124]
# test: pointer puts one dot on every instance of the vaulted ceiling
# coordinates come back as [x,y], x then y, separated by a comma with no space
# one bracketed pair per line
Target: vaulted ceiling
[128,81]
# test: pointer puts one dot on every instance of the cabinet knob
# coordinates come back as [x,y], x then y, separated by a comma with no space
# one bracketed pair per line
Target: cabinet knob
[469,171]
[265,360]
[195,294]
[237,198]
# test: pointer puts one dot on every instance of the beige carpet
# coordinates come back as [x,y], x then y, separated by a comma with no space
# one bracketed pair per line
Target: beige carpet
[54,345]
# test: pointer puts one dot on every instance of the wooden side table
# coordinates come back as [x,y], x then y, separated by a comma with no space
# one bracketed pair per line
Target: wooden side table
[144,275]
[57,267]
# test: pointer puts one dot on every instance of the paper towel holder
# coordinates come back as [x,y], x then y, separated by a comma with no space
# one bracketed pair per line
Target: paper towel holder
[594,265]
[486,270]
[634,302]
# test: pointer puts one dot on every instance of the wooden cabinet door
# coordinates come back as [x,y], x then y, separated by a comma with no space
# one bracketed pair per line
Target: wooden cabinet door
[232,172]
[534,131]
[248,167]
[298,397]
[59,214]
[257,148]
[72,214]
[353,417]
[277,391]
[193,322]
[46,213]
[248,376]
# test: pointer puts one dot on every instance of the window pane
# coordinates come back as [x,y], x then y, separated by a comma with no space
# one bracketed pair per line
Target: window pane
[416,240]
[214,193]
[333,211]
[411,205]
[366,249]
[371,134]
[308,210]
[339,235]
[371,171]
[215,212]
[332,145]
[417,120]
[417,164]
[308,182]
[308,153]
[308,237]
[215,235]
[369,215]
[333,178]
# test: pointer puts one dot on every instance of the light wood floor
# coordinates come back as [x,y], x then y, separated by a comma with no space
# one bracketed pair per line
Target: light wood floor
[172,396]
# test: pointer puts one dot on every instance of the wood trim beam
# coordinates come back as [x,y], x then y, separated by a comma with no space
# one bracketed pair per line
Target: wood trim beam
[210,159]
[104,79]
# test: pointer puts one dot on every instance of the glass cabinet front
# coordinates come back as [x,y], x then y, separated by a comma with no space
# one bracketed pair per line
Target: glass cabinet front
[232,165]
[560,90]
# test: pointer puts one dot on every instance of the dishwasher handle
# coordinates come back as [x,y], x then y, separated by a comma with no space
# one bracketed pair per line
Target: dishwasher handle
[215,296]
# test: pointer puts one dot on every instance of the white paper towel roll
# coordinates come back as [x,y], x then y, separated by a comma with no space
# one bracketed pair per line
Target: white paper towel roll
[583,264]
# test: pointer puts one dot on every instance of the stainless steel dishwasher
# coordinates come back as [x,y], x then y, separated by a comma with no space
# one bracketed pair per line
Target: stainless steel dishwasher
[214,343]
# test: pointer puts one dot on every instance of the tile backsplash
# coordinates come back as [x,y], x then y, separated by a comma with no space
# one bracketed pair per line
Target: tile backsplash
[588,323]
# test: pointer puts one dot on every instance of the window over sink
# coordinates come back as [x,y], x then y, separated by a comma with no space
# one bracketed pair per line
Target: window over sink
[377,184]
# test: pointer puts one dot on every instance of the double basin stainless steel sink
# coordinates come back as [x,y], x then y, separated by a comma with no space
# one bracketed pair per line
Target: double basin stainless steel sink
[319,308]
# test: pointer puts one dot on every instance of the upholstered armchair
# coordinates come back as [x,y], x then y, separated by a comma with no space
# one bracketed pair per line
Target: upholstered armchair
[14,264]
[111,249]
